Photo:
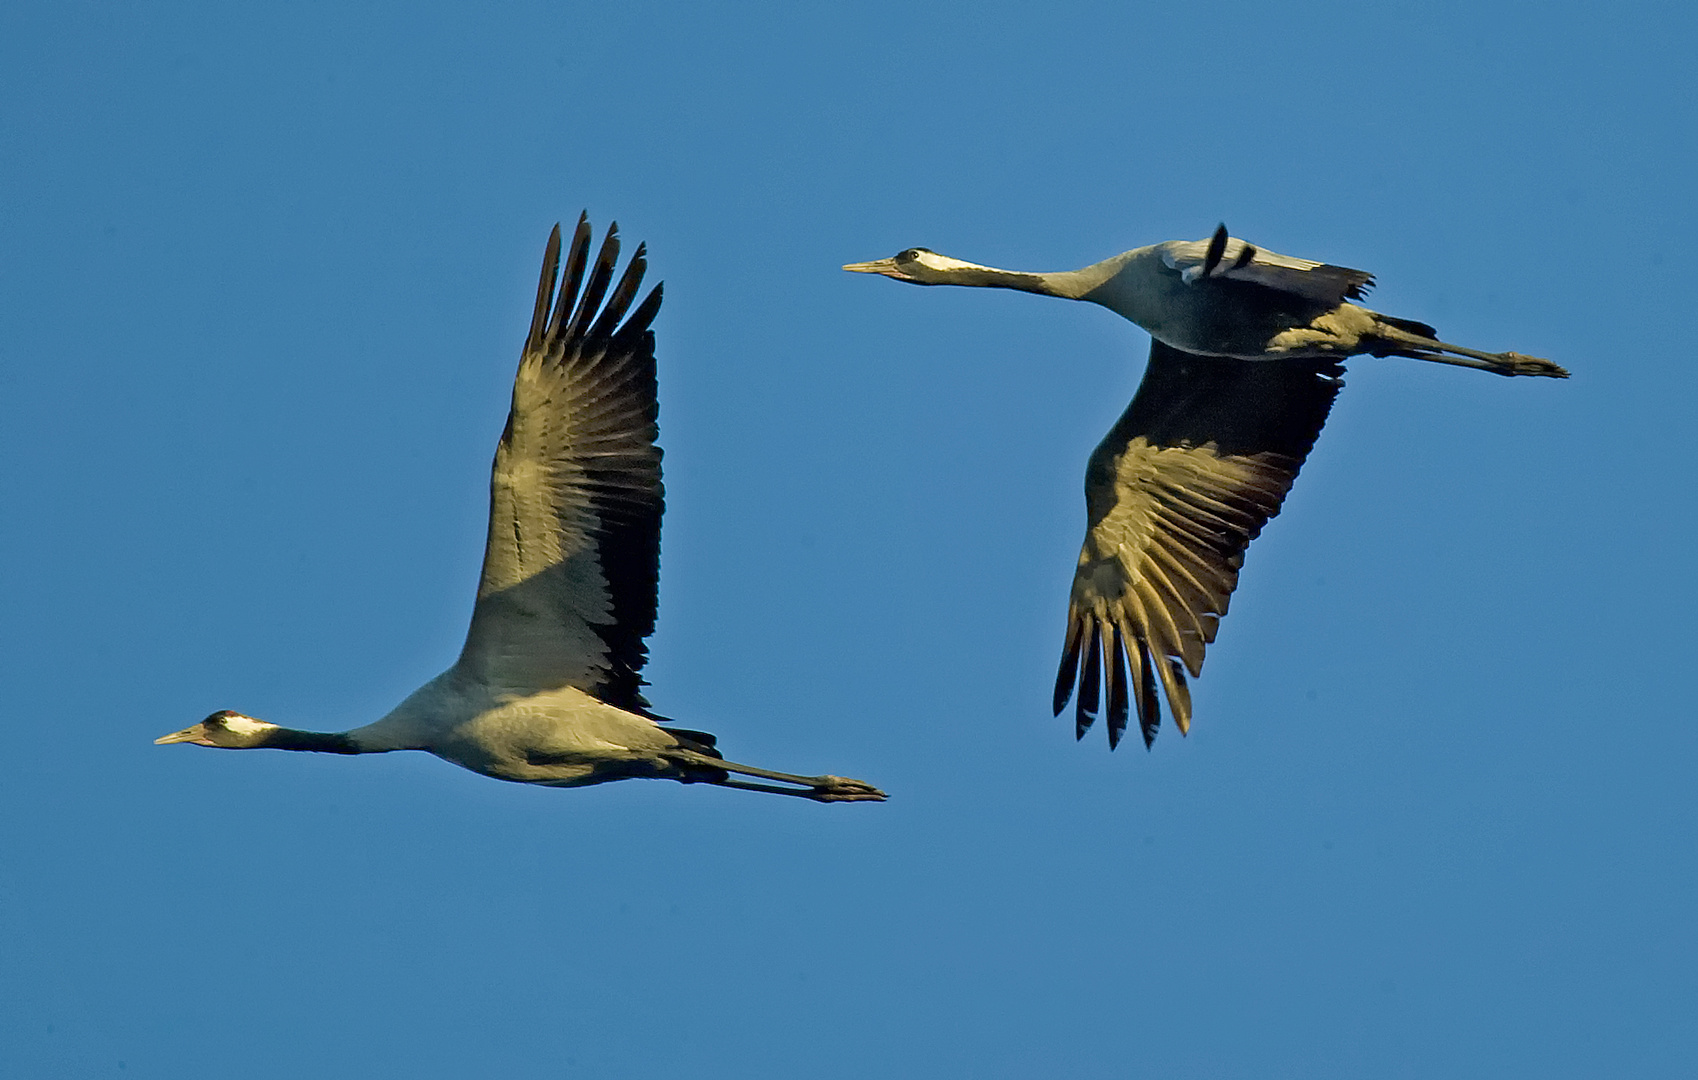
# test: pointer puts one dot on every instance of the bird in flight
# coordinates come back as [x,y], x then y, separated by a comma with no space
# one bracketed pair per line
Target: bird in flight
[547,689]
[1245,361]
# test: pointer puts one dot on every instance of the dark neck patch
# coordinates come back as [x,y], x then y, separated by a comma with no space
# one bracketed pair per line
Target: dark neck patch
[322,742]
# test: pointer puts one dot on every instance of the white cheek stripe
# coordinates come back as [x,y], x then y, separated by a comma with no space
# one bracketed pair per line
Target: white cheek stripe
[246,725]
[943,262]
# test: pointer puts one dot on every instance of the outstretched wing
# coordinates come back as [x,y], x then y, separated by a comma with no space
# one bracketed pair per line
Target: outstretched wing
[1222,256]
[570,572]
[1182,483]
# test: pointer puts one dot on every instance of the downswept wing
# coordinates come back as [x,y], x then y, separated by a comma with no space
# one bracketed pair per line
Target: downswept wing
[571,570]
[1222,256]
[1199,462]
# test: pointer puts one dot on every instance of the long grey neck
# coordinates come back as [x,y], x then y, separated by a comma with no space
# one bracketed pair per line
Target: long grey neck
[1067,284]
[991,277]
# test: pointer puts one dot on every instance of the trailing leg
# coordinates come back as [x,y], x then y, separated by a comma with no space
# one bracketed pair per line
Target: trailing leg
[1405,342]
[700,768]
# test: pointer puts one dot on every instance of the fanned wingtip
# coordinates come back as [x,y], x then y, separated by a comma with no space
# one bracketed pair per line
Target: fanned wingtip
[1149,705]
[1179,699]
[1119,701]
[545,289]
[1069,669]
[1090,681]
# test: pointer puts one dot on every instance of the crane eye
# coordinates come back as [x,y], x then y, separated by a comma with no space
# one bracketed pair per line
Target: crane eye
[910,255]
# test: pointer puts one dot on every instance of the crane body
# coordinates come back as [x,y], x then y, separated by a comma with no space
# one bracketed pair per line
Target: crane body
[1224,297]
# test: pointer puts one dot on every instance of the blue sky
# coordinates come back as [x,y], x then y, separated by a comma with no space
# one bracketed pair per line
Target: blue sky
[266,272]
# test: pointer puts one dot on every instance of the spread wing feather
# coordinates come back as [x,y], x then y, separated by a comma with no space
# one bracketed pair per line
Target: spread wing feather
[1222,256]
[1200,461]
[570,573]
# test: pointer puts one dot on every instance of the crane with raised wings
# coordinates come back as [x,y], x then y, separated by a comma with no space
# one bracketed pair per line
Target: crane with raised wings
[548,687]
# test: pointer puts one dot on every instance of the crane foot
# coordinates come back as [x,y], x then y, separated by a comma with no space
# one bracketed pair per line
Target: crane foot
[1520,364]
[843,789]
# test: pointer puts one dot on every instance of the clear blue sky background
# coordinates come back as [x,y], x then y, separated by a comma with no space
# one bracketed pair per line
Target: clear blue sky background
[264,272]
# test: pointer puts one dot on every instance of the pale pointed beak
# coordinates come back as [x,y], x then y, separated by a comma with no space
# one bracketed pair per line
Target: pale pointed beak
[877,266]
[194,734]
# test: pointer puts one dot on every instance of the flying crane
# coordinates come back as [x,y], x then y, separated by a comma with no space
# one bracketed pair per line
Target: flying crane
[1244,365]
[547,689]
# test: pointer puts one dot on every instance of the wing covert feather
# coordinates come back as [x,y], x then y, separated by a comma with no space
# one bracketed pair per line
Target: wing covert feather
[1200,461]
[572,565]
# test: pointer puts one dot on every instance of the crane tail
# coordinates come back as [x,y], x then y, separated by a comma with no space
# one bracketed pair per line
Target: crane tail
[703,742]
[1409,326]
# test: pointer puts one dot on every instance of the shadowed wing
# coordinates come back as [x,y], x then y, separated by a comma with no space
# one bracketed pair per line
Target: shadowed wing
[1201,459]
[573,561]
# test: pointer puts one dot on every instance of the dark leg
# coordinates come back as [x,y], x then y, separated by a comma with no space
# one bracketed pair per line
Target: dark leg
[1417,347]
[817,788]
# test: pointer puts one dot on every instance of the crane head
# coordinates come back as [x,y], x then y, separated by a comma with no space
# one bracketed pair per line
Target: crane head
[922,266]
[224,729]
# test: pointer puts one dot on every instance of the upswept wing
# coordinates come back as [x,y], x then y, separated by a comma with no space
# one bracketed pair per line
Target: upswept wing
[1222,256]
[1199,462]
[571,569]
